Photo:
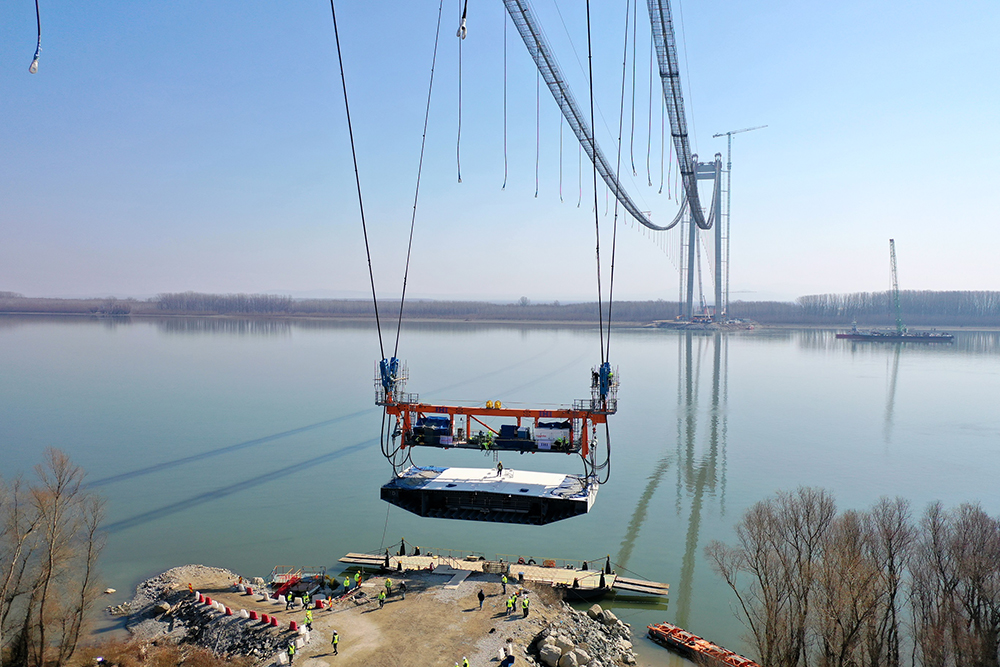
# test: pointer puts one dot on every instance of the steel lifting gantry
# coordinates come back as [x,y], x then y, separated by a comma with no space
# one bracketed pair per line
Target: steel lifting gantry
[566,429]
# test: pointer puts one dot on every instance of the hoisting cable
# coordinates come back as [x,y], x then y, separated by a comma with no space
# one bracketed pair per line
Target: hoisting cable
[597,217]
[33,68]
[420,168]
[606,353]
[579,165]
[614,228]
[357,176]
[461,38]
[631,143]
[504,186]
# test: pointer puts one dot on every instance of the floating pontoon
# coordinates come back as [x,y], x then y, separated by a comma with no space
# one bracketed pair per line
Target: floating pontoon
[480,494]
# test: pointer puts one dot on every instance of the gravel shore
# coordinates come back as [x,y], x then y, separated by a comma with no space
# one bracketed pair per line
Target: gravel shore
[436,623]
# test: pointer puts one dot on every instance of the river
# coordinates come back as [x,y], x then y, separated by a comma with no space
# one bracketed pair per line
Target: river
[248,444]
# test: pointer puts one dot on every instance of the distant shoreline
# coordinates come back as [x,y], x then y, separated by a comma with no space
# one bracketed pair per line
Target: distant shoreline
[923,310]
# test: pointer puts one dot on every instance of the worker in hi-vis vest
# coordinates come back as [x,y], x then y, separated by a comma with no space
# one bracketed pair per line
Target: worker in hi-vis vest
[524,606]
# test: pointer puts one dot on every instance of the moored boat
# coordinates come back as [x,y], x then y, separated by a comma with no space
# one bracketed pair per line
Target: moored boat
[695,648]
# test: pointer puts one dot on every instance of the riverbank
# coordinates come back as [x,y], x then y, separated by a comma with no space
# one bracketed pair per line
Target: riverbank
[438,620]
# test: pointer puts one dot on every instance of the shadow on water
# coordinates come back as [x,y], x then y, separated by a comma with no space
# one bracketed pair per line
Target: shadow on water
[230,489]
[158,467]
[166,465]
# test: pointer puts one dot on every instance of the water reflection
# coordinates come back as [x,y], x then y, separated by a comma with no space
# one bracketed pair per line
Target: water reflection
[701,469]
[890,394]
[225,326]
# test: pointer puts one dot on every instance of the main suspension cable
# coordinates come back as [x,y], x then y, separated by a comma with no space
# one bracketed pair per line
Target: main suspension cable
[357,176]
[420,168]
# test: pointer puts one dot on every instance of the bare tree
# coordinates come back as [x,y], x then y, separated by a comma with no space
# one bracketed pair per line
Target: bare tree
[780,542]
[892,540]
[51,545]
[847,588]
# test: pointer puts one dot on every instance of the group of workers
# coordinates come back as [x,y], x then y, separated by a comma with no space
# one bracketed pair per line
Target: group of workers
[334,641]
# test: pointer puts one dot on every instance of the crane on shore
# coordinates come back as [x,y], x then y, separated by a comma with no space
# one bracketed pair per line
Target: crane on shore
[729,201]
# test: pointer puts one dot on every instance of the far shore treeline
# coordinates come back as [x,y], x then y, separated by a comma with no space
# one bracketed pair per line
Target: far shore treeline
[919,308]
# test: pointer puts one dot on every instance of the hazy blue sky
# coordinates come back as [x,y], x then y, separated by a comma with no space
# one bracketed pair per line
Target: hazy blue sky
[167,146]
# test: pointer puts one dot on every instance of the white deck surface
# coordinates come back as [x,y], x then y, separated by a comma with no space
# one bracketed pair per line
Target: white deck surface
[512,482]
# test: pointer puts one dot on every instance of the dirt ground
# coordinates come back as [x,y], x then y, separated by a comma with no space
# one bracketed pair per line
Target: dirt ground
[432,626]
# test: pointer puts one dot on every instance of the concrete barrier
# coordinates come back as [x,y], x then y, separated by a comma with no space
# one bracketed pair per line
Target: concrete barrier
[249,590]
[274,622]
[208,601]
[253,615]
[201,598]
[266,619]
[244,613]
[281,658]
[293,626]
[241,588]
[297,602]
[319,604]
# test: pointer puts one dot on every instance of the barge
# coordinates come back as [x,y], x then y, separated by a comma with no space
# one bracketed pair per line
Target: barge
[695,648]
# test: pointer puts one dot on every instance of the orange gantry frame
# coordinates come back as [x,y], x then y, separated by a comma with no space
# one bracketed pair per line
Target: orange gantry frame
[407,411]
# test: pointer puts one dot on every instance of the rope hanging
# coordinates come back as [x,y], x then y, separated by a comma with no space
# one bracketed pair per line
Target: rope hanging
[461,38]
[631,143]
[561,120]
[538,128]
[33,68]
[357,176]
[663,134]
[649,129]
[504,186]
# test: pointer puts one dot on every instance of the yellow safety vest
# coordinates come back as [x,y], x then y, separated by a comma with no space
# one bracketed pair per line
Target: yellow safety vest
[524,603]
[347,582]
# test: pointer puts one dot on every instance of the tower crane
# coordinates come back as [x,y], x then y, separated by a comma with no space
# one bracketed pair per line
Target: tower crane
[729,199]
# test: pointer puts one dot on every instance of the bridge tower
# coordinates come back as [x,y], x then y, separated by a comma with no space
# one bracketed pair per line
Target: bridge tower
[704,171]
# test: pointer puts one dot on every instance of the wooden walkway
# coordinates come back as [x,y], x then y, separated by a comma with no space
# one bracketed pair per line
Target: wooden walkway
[587,580]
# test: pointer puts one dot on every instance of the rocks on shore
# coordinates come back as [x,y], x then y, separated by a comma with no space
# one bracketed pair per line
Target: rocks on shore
[596,638]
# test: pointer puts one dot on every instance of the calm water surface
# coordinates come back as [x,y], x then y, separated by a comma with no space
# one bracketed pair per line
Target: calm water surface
[248,444]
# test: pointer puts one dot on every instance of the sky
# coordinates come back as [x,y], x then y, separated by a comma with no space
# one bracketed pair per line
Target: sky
[178,146]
